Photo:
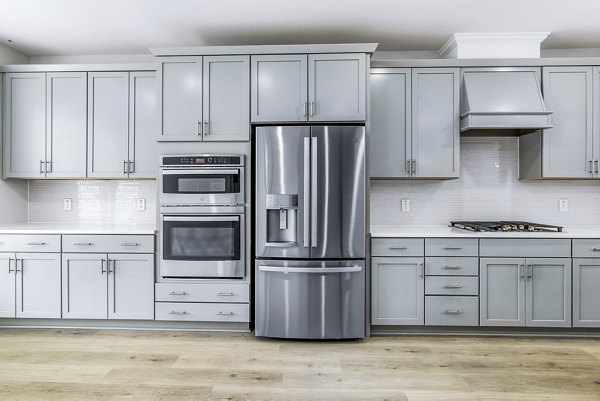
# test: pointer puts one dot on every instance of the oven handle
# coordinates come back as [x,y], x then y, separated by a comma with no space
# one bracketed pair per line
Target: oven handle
[282,269]
[191,218]
[199,172]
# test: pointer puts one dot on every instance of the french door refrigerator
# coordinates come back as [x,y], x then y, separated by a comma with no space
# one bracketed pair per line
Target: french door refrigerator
[310,231]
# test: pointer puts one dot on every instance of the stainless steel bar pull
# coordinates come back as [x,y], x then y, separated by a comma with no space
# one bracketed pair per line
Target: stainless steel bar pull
[177,312]
[102,270]
[596,249]
[306,188]
[407,169]
[318,270]
[36,243]
[178,293]
[452,286]
[452,248]
[42,167]
[9,263]
[414,166]
[596,163]
[312,109]
[17,265]
[452,312]
[521,274]
[130,244]
[206,128]
[304,109]
[225,294]
[591,170]
[452,267]
[124,166]
[199,127]
[225,313]
[84,243]
[314,190]
[398,248]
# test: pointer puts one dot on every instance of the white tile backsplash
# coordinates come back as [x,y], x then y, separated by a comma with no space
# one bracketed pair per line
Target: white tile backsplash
[488,188]
[94,201]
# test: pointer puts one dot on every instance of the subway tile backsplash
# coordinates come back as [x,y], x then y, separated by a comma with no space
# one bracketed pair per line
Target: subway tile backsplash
[488,188]
[94,202]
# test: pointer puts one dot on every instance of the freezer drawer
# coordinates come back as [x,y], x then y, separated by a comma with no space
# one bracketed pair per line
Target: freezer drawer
[310,299]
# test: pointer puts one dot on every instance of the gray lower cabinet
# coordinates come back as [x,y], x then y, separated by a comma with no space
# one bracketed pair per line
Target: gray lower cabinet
[398,291]
[502,292]
[586,292]
[548,294]
[38,285]
[84,286]
[7,285]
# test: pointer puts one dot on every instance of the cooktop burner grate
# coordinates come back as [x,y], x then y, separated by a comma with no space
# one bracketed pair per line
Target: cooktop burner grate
[508,226]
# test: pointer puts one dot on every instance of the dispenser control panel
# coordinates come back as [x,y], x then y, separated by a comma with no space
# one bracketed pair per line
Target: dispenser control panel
[277,201]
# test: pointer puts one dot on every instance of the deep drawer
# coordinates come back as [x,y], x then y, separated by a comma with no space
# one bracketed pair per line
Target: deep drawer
[451,311]
[525,248]
[451,247]
[224,293]
[436,285]
[586,248]
[452,266]
[108,243]
[397,247]
[199,312]
[29,243]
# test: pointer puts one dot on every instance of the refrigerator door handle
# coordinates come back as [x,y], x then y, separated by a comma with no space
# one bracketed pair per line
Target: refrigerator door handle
[318,270]
[313,193]
[306,190]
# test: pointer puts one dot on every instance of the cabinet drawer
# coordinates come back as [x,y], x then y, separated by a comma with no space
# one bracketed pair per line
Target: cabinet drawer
[29,243]
[224,293]
[108,243]
[451,311]
[436,285]
[198,312]
[586,248]
[451,247]
[525,248]
[451,266]
[397,246]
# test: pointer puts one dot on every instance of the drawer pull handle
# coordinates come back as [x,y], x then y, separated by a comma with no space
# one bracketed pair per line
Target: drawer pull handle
[84,243]
[178,293]
[452,267]
[452,286]
[452,312]
[596,249]
[398,248]
[225,294]
[177,313]
[36,243]
[225,314]
[452,248]
[129,244]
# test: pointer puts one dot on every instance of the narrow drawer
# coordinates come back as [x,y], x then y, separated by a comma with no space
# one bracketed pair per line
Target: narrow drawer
[397,246]
[451,311]
[525,248]
[29,243]
[451,266]
[108,243]
[223,293]
[451,247]
[198,312]
[455,285]
[586,248]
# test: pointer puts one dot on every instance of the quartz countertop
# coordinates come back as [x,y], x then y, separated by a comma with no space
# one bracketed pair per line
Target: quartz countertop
[437,231]
[77,228]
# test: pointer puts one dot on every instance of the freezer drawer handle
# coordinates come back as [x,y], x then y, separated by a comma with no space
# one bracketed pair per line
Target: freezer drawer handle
[452,286]
[177,313]
[225,314]
[36,243]
[178,293]
[452,312]
[318,270]
[452,267]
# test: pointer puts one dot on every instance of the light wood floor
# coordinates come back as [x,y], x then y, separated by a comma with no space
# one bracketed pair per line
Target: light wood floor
[137,365]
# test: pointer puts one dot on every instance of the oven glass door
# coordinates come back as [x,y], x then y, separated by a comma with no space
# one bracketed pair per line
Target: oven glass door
[201,182]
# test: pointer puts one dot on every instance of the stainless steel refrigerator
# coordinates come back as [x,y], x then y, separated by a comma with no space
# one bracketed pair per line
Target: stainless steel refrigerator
[310,231]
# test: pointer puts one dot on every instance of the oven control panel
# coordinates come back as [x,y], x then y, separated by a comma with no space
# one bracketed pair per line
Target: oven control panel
[203,160]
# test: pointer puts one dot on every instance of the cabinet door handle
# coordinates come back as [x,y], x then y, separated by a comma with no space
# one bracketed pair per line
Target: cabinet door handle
[596,163]
[591,167]
[102,261]
[452,267]
[17,265]
[596,249]
[178,293]
[421,270]
[206,128]
[414,166]
[312,109]
[225,294]
[124,166]
[178,313]
[130,244]
[113,264]
[452,286]
[521,273]
[42,167]
[530,272]
[452,248]
[9,263]
[199,127]
[225,314]
[304,109]
[48,163]
[36,243]
[407,169]
[452,312]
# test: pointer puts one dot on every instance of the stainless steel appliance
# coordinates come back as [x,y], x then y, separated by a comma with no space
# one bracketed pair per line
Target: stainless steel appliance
[510,226]
[202,217]
[310,231]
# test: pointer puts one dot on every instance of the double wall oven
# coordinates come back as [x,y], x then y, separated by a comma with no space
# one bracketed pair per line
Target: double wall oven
[202,216]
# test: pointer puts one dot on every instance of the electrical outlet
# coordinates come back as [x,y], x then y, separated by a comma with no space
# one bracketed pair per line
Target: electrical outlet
[141,204]
[67,204]
[563,205]
[406,205]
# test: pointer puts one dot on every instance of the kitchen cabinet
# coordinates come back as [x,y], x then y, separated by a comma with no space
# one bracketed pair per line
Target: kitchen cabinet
[142,124]
[204,98]
[315,87]
[415,123]
[131,286]
[84,286]
[7,285]
[38,285]
[586,297]
[525,292]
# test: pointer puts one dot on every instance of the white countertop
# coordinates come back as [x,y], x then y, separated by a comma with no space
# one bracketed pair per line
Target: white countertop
[435,231]
[76,228]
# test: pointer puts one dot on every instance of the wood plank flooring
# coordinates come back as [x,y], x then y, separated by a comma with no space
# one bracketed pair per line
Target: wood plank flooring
[47,364]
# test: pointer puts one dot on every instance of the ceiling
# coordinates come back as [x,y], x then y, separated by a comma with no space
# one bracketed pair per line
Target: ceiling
[87,27]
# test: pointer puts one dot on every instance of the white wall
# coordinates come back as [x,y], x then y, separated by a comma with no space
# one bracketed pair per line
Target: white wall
[13,193]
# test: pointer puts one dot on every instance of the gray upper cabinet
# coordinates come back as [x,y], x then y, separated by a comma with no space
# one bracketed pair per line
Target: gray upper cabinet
[180,98]
[108,124]
[548,292]
[586,297]
[66,124]
[226,92]
[279,90]
[24,125]
[390,122]
[502,292]
[336,87]
[142,124]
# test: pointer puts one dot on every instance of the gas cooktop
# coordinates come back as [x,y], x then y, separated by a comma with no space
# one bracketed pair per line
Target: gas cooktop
[508,226]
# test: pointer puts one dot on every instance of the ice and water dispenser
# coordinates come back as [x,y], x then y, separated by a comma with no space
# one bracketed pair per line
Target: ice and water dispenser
[282,219]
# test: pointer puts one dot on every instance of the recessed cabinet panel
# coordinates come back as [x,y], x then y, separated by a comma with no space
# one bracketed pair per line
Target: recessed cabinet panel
[84,286]
[586,294]
[7,285]
[38,285]
[502,292]
[142,124]
[549,292]
[131,286]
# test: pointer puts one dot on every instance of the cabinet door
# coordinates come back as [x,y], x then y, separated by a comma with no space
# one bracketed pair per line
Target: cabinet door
[390,122]
[278,88]
[38,285]
[435,122]
[66,150]
[567,148]
[596,120]
[180,98]
[226,98]
[108,124]
[398,291]
[586,297]
[142,124]
[131,286]
[84,286]
[548,301]
[7,285]
[24,125]
[336,87]
[502,292]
